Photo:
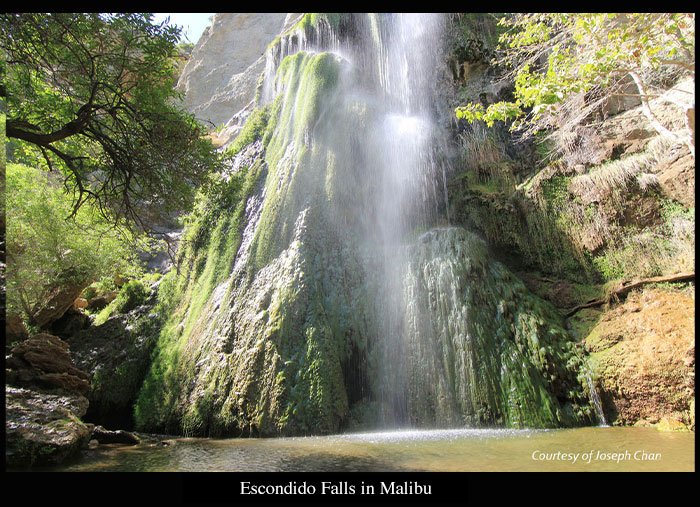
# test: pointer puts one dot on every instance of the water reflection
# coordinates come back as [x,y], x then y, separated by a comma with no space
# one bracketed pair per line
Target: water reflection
[610,449]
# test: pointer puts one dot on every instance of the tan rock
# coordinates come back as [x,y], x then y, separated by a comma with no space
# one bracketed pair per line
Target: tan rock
[220,79]
[671,424]
[639,351]
[57,304]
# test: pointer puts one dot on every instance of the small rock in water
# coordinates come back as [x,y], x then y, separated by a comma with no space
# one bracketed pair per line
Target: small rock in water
[105,436]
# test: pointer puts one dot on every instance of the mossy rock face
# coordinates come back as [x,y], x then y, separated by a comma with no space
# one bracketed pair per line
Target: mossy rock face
[117,354]
[484,351]
[258,345]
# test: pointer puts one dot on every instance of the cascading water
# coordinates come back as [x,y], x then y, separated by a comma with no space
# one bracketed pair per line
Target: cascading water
[597,404]
[393,61]
[347,301]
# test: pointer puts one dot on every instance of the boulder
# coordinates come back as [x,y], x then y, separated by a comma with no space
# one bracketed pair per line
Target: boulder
[44,361]
[58,303]
[44,403]
[43,428]
[99,302]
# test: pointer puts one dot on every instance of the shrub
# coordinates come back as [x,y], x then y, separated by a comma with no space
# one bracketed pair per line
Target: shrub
[47,250]
[133,294]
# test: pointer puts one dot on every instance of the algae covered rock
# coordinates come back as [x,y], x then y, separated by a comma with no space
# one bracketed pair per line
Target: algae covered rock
[481,349]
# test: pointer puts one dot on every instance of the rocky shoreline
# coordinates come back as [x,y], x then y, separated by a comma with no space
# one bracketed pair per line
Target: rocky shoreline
[45,399]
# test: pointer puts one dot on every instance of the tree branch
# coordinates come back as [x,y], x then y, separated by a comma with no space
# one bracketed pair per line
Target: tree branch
[653,120]
[627,286]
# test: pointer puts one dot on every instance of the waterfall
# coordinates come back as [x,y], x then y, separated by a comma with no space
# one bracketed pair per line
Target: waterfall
[341,299]
[392,65]
[595,399]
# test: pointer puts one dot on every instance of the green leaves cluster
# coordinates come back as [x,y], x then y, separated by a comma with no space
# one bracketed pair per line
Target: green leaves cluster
[92,96]
[47,250]
[553,56]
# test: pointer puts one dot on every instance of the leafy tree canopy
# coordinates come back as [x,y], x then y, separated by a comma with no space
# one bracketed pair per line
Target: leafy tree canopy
[556,56]
[91,96]
[46,250]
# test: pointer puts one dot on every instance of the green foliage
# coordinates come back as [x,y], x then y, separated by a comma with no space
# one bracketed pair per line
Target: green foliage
[671,210]
[134,293]
[498,111]
[92,96]
[47,250]
[584,52]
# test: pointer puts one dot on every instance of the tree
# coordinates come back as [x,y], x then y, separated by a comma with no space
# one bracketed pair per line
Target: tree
[556,57]
[91,96]
[49,252]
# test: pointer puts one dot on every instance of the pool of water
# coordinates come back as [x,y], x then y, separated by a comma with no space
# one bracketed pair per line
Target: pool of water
[581,449]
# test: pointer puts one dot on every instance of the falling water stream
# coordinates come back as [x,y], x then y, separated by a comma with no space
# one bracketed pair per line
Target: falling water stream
[595,398]
[347,244]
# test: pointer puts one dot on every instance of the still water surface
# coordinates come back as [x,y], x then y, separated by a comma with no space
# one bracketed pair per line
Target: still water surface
[581,449]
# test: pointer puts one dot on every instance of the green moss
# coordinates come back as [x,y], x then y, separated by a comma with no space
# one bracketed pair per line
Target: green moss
[204,261]
[513,366]
[290,378]
[312,20]
[132,294]
[253,130]
[307,81]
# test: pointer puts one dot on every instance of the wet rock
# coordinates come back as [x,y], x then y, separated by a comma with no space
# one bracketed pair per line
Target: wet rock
[43,428]
[104,436]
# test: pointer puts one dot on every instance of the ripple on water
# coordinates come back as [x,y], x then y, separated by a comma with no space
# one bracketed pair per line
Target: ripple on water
[408,450]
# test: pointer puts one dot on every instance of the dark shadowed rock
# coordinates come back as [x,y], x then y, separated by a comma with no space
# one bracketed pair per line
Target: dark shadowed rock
[99,302]
[72,322]
[105,436]
[117,355]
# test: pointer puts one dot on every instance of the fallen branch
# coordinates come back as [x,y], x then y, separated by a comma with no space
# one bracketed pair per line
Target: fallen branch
[627,286]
